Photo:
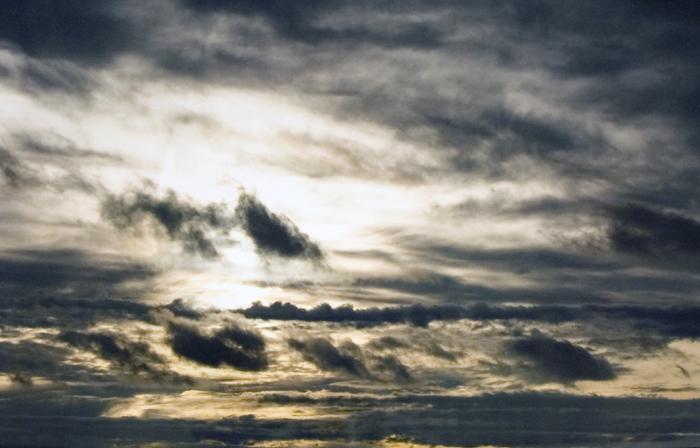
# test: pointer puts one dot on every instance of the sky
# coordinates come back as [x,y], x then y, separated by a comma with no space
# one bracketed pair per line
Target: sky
[333,223]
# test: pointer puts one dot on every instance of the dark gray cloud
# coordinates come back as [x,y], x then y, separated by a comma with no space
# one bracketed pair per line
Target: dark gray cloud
[419,315]
[392,366]
[326,356]
[23,168]
[300,22]
[232,346]
[14,173]
[182,308]
[493,419]
[670,321]
[388,343]
[90,33]
[188,224]
[59,149]
[659,234]
[561,359]
[133,356]
[274,234]
[200,228]
[434,349]
[68,272]
[27,359]
[68,312]
[593,100]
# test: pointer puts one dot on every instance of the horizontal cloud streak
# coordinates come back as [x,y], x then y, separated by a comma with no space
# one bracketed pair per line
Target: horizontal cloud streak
[676,321]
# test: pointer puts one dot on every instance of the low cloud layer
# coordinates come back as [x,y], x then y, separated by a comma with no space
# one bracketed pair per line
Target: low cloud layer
[673,321]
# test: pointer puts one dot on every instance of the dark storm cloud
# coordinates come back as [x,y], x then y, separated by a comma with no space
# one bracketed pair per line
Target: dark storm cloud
[232,346]
[274,234]
[659,234]
[326,356]
[188,224]
[67,272]
[562,360]
[89,33]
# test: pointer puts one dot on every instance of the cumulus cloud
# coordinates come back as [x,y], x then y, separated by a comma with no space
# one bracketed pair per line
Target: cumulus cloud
[561,359]
[232,345]
[274,234]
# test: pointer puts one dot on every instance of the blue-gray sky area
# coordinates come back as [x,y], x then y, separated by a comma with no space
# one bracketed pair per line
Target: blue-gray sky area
[349,223]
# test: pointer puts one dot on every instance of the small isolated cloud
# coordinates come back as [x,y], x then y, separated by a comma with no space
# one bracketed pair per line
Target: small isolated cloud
[188,224]
[274,234]
[233,346]
[561,359]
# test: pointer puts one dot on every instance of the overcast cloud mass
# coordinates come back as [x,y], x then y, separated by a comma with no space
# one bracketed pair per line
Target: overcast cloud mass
[349,223]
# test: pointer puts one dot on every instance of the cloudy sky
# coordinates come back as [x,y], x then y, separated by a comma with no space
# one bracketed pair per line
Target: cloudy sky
[329,223]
